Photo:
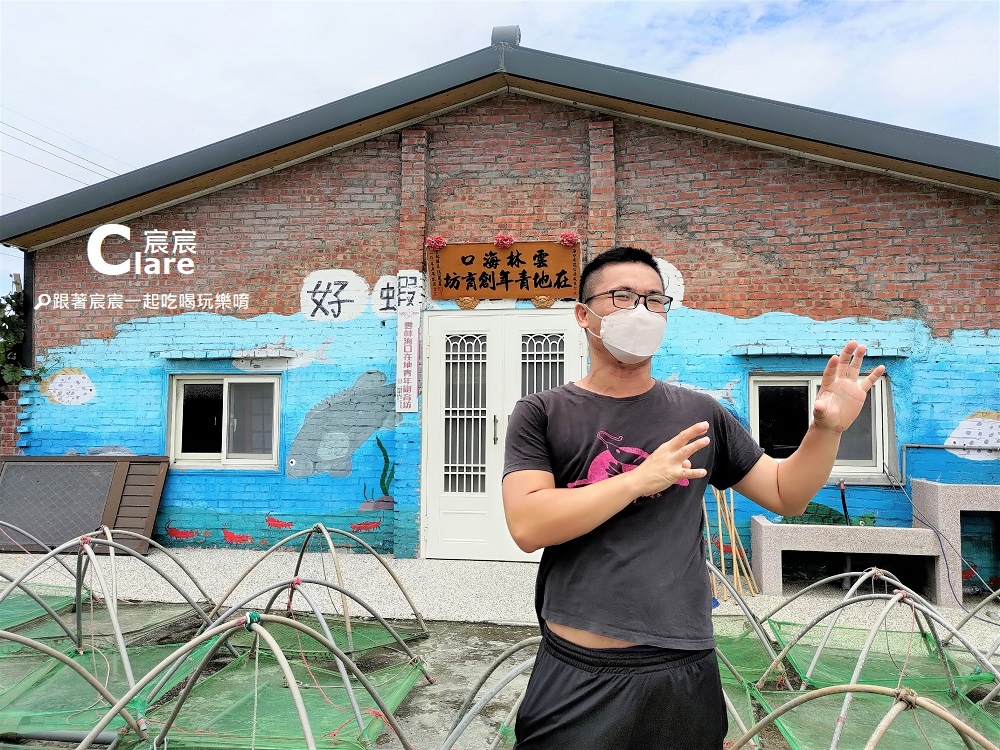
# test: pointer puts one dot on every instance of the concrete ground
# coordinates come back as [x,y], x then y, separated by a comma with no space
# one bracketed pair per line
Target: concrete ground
[474,611]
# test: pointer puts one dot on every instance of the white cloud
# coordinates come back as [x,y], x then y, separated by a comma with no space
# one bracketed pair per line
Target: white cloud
[928,66]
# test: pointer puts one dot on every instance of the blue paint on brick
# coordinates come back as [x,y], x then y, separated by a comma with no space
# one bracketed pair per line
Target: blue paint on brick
[936,383]
[132,380]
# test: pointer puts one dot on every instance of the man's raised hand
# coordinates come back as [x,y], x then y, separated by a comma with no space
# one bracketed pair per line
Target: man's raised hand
[841,394]
[670,463]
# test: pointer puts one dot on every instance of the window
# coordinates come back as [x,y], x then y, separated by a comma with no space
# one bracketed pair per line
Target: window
[781,410]
[224,422]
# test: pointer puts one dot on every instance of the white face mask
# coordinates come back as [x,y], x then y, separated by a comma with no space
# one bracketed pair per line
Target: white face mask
[631,336]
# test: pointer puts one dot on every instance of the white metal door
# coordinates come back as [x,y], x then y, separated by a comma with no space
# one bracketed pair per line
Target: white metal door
[477,365]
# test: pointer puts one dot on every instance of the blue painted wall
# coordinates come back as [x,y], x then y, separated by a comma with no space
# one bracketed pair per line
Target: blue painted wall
[128,410]
[936,384]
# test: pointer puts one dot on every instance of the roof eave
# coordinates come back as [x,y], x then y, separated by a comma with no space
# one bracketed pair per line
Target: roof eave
[114,198]
[812,133]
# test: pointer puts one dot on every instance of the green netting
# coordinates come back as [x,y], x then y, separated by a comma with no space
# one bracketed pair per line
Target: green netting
[507,736]
[221,711]
[139,622]
[19,608]
[811,725]
[15,667]
[54,697]
[965,662]
[894,652]
[740,645]
[366,635]
[739,695]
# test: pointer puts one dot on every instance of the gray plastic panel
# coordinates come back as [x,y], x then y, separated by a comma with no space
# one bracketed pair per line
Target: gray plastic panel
[55,501]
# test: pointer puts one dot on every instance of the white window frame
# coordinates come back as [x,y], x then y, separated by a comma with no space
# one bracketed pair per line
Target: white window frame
[220,460]
[883,431]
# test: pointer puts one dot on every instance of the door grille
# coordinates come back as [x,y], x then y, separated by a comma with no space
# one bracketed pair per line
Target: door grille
[465,413]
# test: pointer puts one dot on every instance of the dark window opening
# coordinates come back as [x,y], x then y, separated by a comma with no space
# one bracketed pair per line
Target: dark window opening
[784,418]
[800,568]
[201,420]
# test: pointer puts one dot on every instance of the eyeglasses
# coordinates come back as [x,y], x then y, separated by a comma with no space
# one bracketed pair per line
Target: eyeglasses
[627,300]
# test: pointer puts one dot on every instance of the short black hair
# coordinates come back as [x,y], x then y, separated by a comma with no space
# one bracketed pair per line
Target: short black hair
[619,254]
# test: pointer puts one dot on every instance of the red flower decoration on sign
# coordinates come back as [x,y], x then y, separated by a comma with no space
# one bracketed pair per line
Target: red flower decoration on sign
[503,240]
[435,242]
[569,239]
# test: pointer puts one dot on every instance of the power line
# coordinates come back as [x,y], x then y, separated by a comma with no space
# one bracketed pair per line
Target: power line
[15,199]
[4,106]
[50,153]
[71,153]
[44,167]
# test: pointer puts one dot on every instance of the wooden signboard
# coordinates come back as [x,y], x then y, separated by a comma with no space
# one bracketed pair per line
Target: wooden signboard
[524,270]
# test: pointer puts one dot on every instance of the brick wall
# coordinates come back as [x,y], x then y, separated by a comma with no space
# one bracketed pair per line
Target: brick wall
[756,231]
[261,237]
[510,164]
[9,410]
[753,231]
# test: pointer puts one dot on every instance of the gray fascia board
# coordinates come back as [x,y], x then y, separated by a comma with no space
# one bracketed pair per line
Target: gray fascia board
[291,130]
[955,154]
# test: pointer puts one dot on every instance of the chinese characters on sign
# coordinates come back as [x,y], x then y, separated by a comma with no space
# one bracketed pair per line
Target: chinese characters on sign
[409,300]
[524,270]
[216,302]
[401,292]
[407,359]
[333,295]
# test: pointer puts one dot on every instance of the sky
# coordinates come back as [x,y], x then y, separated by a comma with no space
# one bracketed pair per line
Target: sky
[93,89]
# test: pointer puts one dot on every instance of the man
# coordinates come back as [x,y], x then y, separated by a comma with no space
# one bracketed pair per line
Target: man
[607,475]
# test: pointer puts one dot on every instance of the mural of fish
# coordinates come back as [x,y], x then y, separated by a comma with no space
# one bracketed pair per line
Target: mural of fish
[975,435]
[278,356]
[338,425]
[719,394]
[103,450]
[69,386]
[817,513]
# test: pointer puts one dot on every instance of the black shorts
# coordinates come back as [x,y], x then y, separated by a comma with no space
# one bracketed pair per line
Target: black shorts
[635,698]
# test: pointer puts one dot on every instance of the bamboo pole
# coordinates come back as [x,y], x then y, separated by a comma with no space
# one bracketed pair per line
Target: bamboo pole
[739,553]
[722,549]
[730,529]
[708,544]
[745,561]
[734,538]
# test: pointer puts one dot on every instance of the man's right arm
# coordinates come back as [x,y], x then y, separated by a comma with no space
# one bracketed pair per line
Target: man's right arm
[539,514]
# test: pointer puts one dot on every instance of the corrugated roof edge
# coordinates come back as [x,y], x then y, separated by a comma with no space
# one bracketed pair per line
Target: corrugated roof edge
[944,152]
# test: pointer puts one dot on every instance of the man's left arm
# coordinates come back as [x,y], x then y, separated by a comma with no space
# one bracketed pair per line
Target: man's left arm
[787,486]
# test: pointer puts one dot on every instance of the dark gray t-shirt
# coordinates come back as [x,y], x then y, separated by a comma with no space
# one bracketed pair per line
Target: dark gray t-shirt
[641,575]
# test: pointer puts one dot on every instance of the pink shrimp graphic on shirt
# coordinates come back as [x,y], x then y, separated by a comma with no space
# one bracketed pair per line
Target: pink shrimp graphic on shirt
[614,460]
